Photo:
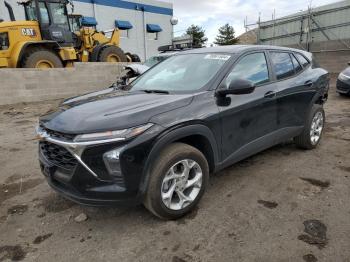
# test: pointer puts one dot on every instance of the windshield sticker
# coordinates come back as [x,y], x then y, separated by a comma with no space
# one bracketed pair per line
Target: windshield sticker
[217,57]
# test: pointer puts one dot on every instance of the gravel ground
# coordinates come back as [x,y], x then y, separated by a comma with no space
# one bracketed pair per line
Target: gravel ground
[283,204]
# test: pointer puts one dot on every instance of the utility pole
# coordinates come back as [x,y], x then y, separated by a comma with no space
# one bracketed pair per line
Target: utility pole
[259,20]
[274,22]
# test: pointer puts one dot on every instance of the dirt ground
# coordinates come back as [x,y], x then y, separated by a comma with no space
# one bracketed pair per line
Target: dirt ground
[283,204]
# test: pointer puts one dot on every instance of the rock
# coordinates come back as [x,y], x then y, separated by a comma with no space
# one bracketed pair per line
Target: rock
[81,218]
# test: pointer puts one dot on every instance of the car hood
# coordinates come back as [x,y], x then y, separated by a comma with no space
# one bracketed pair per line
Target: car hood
[110,110]
[346,71]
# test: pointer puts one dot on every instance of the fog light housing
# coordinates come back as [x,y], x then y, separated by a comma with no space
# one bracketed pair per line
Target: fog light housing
[112,162]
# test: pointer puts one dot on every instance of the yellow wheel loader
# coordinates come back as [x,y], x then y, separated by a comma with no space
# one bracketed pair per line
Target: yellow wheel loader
[85,30]
[45,39]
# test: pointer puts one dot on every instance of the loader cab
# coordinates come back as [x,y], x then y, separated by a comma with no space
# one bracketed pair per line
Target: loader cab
[52,16]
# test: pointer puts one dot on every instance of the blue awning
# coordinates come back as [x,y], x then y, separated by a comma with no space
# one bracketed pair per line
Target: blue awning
[153,28]
[123,25]
[88,21]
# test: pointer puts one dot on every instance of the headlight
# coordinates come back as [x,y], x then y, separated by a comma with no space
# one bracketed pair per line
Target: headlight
[122,134]
[344,77]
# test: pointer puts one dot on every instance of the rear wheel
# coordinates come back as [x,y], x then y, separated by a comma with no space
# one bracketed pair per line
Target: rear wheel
[112,54]
[41,58]
[135,58]
[178,180]
[312,133]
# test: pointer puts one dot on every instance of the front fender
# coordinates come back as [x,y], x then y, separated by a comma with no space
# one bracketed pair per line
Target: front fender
[170,136]
[20,48]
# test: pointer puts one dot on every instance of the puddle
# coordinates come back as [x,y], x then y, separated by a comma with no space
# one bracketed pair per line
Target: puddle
[40,239]
[310,258]
[41,215]
[54,203]
[23,122]
[14,150]
[13,253]
[13,113]
[176,247]
[196,247]
[177,259]
[316,233]
[18,209]
[316,182]
[14,178]
[8,191]
[344,168]
[268,204]
[166,233]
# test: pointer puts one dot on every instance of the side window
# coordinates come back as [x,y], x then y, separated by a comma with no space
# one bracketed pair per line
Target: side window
[252,67]
[44,13]
[282,65]
[302,60]
[4,41]
[296,64]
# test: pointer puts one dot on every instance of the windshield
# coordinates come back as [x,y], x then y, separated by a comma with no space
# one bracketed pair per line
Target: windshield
[59,15]
[186,72]
[154,60]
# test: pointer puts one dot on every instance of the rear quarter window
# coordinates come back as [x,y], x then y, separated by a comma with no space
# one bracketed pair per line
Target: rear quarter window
[302,60]
[282,65]
[296,64]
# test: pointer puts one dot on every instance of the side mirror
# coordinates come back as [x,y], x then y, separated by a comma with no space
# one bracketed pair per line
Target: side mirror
[237,87]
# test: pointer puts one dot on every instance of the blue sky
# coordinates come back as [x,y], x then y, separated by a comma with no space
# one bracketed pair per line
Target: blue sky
[212,14]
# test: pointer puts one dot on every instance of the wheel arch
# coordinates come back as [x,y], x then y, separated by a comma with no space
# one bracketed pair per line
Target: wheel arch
[196,135]
[26,46]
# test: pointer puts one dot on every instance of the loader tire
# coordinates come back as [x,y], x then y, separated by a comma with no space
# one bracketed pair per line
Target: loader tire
[128,57]
[135,58]
[41,58]
[112,54]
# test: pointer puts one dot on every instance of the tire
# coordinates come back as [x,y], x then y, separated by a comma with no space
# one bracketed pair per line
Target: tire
[112,54]
[135,58]
[173,156]
[41,58]
[128,57]
[306,140]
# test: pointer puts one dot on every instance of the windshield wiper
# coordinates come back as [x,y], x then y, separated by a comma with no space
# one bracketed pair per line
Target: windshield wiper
[155,91]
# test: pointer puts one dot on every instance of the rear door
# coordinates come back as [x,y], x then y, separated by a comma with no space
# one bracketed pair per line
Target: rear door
[247,119]
[294,83]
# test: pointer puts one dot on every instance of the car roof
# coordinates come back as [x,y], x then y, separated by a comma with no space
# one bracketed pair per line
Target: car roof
[234,49]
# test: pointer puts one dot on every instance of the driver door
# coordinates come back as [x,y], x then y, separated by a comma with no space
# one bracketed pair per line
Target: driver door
[248,120]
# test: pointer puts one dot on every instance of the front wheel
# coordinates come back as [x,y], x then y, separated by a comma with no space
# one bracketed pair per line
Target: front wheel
[312,133]
[178,180]
[41,58]
[112,54]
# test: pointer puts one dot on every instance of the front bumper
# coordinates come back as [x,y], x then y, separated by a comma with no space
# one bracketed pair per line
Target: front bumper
[77,171]
[343,87]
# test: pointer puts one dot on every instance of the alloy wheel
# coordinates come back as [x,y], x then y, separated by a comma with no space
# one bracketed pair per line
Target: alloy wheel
[316,128]
[181,184]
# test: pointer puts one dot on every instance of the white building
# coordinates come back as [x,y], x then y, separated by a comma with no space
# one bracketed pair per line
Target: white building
[145,24]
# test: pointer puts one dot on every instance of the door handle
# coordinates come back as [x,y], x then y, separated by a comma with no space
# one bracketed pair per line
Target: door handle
[270,94]
[309,83]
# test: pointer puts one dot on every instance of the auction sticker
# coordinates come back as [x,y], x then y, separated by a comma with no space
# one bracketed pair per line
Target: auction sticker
[217,57]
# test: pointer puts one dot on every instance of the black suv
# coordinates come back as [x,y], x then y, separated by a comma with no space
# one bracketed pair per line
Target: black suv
[156,140]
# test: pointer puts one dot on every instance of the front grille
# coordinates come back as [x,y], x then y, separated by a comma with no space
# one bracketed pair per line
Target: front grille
[58,156]
[342,86]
